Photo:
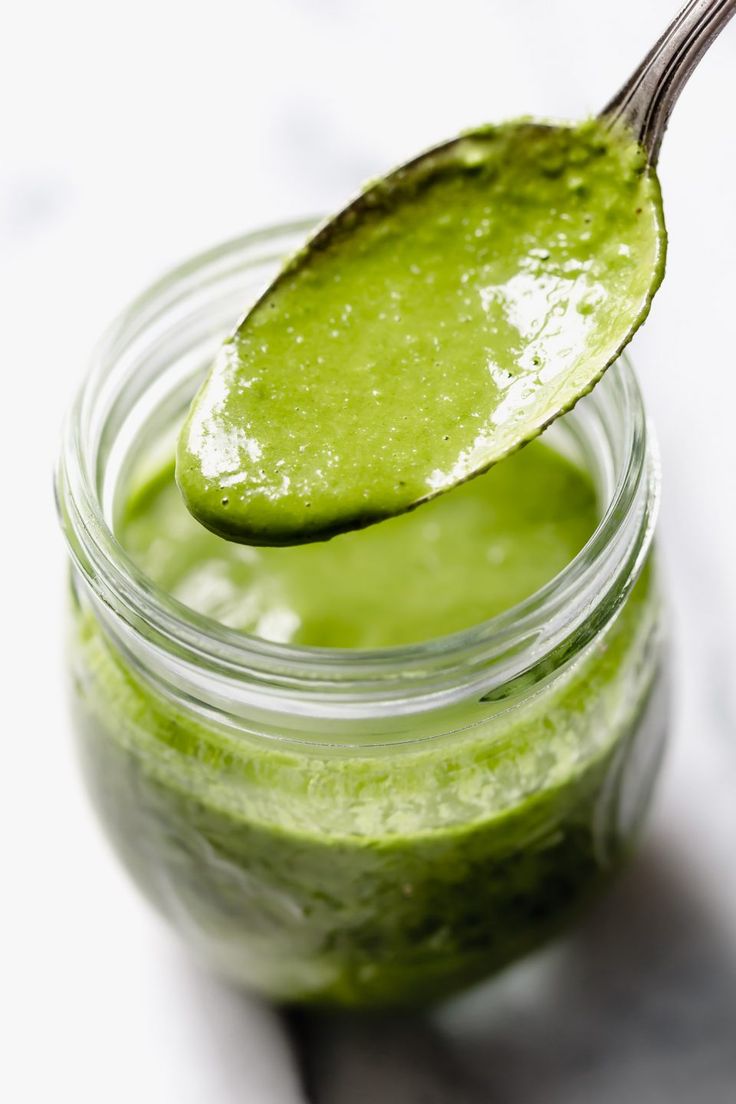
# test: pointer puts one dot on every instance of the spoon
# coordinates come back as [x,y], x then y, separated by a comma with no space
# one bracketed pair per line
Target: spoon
[442,319]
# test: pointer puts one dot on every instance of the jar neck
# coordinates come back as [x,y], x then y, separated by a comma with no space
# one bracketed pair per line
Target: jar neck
[161,345]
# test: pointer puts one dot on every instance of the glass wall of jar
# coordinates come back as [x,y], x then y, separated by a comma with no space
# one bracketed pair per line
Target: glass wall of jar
[360,828]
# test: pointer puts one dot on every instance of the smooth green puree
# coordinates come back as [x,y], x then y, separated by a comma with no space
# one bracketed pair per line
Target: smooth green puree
[427,332]
[435,848]
[394,857]
[461,559]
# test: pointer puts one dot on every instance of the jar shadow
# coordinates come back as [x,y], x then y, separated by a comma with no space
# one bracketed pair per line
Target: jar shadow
[640,1004]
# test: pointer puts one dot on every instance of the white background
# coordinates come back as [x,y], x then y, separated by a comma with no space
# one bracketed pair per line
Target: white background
[132,135]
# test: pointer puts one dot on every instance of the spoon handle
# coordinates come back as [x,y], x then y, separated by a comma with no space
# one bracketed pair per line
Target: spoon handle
[648,96]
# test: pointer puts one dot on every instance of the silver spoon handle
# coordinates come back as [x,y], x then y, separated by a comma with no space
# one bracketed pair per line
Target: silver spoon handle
[646,100]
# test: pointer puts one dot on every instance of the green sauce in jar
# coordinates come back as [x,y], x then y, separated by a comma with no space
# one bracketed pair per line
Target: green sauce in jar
[461,559]
[326,823]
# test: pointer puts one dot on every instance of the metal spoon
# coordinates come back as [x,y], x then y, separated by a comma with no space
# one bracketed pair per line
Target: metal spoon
[645,101]
[268,454]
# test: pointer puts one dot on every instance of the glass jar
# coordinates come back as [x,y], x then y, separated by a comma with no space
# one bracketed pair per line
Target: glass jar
[361,828]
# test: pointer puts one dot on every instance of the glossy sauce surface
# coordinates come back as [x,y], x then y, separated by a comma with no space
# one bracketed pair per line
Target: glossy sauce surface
[457,561]
[431,850]
[471,300]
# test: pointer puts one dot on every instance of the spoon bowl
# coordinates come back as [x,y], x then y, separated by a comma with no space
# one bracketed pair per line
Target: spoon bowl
[442,319]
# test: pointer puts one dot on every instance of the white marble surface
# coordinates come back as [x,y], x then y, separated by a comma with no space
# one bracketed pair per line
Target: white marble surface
[135,134]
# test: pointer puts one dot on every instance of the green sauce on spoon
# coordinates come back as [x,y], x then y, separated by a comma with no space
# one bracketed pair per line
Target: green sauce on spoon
[437,324]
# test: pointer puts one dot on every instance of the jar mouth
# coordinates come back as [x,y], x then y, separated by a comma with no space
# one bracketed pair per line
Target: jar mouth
[609,424]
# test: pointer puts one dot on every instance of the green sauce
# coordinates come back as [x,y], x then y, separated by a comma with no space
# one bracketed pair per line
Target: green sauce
[435,849]
[459,560]
[470,300]
[395,858]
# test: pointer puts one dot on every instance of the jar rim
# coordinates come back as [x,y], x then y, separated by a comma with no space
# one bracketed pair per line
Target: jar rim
[490,654]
